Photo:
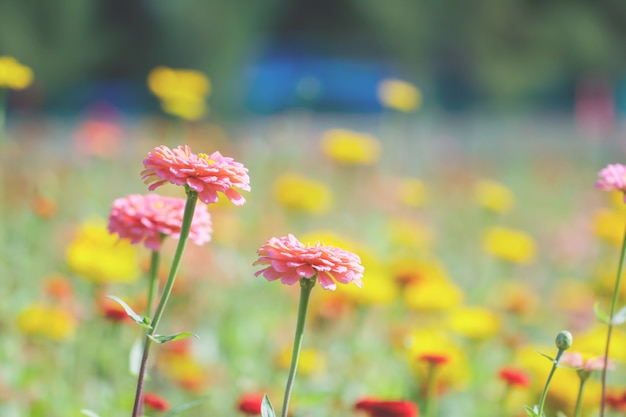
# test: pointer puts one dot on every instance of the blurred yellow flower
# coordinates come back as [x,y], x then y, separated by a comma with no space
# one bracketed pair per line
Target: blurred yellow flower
[617,200]
[565,382]
[100,257]
[14,75]
[425,342]
[407,269]
[378,288]
[610,225]
[409,234]
[184,369]
[493,196]
[52,322]
[509,244]
[311,361]
[411,192]
[349,147]
[593,342]
[297,192]
[182,92]
[474,322]
[433,295]
[399,95]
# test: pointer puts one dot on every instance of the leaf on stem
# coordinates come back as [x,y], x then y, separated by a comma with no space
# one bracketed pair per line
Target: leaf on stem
[266,407]
[164,338]
[143,321]
[599,314]
[89,413]
[550,358]
[532,412]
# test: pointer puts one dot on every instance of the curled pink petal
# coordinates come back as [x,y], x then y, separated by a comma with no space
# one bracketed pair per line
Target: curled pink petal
[143,219]
[612,178]
[205,174]
[291,260]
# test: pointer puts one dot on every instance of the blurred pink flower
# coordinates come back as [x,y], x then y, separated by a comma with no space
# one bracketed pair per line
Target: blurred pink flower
[205,174]
[613,178]
[145,218]
[289,259]
[387,408]
[576,360]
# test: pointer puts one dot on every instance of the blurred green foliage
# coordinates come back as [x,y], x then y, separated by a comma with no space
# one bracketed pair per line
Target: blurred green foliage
[498,52]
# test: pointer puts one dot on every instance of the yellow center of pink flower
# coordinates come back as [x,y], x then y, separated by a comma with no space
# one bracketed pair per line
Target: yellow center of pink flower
[206,158]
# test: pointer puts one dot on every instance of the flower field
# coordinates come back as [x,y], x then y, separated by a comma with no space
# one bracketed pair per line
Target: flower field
[477,245]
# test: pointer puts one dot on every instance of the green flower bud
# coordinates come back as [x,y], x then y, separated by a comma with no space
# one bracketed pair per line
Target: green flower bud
[564,340]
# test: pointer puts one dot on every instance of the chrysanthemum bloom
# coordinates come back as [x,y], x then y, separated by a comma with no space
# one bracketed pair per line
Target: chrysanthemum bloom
[144,219]
[348,147]
[387,408]
[182,92]
[613,178]
[399,95]
[290,260]
[250,404]
[14,75]
[52,322]
[205,174]
[514,376]
[155,402]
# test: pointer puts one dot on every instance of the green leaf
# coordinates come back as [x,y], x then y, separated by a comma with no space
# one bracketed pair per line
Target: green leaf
[89,413]
[170,337]
[140,320]
[599,314]
[266,407]
[186,406]
[620,316]
[550,358]
[530,412]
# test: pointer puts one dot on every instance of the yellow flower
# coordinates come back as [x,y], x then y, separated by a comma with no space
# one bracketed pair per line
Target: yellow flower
[617,200]
[14,75]
[399,95]
[101,257]
[433,295]
[311,361]
[474,322]
[411,192]
[298,192]
[406,233]
[609,225]
[509,245]
[350,147]
[455,373]
[493,196]
[52,322]
[182,92]
[593,341]
[184,369]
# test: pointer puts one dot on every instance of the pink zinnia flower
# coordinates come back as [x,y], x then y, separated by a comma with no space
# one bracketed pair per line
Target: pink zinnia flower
[145,218]
[205,174]
[576,360]
[386,408]
[289,259]
[613,178]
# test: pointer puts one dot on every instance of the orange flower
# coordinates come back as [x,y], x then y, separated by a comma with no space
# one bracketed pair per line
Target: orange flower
[435,358]
[250,404]
[155,402]
[514,376]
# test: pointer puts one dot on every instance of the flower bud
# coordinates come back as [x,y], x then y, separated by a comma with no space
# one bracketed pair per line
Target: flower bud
[564,340]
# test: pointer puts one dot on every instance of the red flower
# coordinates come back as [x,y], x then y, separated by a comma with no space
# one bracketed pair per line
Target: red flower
[250,404]
[382,408]
[435,358]
[155,402]
[514,376]
[616,401]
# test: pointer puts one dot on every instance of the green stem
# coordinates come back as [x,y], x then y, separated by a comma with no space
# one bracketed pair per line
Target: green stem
[610,330]
[153,282]
[190,206]
[544,394]
[430,406]
[579,400]
[306,285]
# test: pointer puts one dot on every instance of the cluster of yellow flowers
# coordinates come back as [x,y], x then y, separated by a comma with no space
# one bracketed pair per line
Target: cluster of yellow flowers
[14,75]
[182,92]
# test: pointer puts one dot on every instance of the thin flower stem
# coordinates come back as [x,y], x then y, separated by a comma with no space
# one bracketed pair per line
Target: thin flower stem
[430,406]
[610,330]
[153,282]
[544,394]
[190,206]
[306,285]
[579,400]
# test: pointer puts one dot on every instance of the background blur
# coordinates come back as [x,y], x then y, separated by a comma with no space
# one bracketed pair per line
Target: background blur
[267,56]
